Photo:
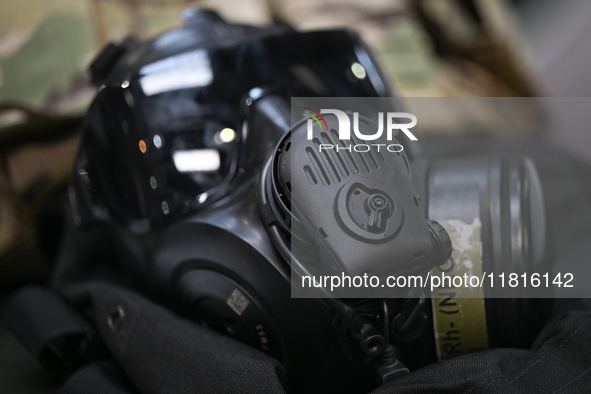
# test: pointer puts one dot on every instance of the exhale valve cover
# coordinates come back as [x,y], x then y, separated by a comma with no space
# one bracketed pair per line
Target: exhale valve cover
[356,201]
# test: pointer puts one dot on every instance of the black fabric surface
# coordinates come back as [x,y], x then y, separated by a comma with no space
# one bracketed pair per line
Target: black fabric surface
[98,378]
[163,353]
[558,362]
[20,373]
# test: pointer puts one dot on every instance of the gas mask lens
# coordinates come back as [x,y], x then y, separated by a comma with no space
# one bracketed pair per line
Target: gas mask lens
[202,159]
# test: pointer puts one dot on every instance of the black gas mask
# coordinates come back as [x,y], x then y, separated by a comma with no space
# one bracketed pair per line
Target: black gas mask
[208,184]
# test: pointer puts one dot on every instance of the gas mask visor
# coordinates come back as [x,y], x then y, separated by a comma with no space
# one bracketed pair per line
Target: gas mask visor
[169,135]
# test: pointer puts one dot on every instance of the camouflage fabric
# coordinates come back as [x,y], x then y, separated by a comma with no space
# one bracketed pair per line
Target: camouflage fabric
[46,45]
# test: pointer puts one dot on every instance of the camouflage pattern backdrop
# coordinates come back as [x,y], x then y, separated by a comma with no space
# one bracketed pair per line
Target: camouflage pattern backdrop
[46,45]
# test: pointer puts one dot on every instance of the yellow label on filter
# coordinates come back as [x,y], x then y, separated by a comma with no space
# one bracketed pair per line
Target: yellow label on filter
[459,315]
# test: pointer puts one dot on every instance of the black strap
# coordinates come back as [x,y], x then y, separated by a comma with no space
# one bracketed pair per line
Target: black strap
[56,334]
[98,378]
